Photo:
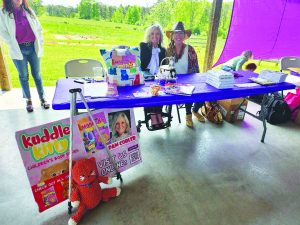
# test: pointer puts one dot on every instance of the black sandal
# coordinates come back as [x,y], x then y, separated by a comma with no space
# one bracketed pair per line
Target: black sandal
[29,106]
[45,104]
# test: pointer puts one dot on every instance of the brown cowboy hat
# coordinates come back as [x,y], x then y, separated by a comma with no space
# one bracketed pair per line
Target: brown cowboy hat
[179,27]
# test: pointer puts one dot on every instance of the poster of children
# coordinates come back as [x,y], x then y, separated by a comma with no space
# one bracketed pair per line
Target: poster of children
[45,151]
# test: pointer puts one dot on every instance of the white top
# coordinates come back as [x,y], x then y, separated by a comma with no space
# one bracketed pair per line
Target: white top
[181,65]
[154,62]
[8,34]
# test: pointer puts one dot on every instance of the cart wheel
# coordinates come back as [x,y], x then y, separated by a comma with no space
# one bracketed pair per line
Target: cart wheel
[138,129]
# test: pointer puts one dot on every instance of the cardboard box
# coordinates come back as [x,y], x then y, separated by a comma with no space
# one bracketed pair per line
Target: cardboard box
[228,107]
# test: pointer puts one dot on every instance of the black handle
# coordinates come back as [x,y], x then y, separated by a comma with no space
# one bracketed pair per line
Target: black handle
[75,90]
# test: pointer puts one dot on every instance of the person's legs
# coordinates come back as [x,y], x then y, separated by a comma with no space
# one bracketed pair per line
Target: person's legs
[188,109]
[195,110]
[226,68]
[22,69]
[34,62]
[188,118]
[197,106]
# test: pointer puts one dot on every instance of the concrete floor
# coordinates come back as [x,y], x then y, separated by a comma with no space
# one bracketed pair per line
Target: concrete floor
[210,175]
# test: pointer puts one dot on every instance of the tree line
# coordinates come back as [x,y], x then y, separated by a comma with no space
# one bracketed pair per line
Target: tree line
[194,13]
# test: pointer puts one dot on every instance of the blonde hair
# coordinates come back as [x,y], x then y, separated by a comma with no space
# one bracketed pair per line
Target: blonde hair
[115,119]
[150,29]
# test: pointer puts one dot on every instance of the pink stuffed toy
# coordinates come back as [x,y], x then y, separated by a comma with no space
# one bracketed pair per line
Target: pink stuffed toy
[86,192]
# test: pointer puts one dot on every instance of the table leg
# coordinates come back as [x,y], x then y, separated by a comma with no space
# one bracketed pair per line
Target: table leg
[262,117]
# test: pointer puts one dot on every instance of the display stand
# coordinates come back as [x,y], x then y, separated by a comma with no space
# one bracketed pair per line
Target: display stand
[74,112]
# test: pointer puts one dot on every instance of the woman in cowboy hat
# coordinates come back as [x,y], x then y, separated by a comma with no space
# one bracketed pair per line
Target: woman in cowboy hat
[185,62]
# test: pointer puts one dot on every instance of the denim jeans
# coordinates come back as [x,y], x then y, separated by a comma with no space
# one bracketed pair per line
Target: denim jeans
[196,107]
[29,56]
[226,68]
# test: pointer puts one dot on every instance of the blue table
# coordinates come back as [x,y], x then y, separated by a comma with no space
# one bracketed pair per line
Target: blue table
[202,92]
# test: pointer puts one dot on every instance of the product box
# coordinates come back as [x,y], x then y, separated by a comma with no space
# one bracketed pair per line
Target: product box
[123,66]
[228,107]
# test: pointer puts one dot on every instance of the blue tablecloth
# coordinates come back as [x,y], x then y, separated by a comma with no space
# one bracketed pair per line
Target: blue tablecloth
[202,92]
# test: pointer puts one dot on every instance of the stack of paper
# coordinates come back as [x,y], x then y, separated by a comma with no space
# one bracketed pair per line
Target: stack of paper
[100,90]
[274,76]
[220,79]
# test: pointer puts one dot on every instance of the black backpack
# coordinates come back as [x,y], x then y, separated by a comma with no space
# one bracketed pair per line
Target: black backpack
[276,110]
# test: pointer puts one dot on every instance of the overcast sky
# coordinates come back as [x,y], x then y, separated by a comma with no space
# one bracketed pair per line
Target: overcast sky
[110,2]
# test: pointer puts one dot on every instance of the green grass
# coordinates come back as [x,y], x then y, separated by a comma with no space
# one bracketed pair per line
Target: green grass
[108,34]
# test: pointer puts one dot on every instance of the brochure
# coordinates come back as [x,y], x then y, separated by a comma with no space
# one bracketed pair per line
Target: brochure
[179,89]
[245,85]
[261,81]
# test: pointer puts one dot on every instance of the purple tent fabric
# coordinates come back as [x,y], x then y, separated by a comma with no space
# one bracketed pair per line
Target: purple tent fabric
[269,28]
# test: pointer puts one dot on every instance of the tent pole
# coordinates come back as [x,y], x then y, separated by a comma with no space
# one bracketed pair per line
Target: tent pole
[212,34]
[5,82]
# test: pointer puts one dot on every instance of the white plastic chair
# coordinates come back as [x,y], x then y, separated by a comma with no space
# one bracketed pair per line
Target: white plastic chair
[288,62]
[84,68]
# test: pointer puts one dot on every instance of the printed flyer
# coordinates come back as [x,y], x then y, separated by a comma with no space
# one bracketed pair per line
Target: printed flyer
[45,151]
[118,128]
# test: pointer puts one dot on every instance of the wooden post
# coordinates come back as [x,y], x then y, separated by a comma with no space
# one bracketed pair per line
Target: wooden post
[212,34]
[5,81]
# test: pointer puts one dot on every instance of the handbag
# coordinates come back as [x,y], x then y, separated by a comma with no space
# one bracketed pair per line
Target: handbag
[275,110]
[293,101]
[211,111]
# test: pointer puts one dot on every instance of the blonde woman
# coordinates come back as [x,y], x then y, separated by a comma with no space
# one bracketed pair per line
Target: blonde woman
[185,62]
[120,127]
[152,51]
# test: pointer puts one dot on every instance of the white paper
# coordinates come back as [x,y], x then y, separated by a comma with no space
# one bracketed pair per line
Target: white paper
[97,89]
[187,89]
[247,85]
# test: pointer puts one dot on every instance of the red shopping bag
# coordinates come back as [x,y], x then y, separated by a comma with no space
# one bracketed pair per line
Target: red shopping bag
[293,101]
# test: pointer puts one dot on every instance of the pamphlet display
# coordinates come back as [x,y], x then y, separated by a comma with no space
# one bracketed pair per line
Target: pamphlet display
[44,150]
